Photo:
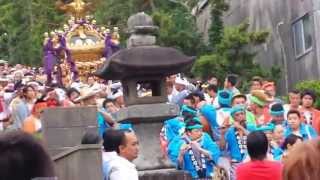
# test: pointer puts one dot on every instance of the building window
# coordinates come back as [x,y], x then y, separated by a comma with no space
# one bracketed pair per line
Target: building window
[302,37]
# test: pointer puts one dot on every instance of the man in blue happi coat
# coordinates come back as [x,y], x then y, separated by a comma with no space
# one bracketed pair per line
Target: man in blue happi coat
[233,140]
[175,127]
[195,151]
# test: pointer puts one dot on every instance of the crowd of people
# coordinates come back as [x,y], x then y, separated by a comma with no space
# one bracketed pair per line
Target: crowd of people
[248,135]
[25,94]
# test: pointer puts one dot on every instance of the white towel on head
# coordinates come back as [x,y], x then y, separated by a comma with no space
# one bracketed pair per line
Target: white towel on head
[181,81]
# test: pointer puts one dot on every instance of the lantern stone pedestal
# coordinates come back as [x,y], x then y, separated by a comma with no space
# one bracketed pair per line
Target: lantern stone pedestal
[147,122]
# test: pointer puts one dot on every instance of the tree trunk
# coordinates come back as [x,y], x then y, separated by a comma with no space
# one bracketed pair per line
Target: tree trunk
[30,14]
[153,6]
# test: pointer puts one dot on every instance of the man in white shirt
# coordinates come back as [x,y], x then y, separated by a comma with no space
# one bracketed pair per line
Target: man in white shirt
[182,88]
[294,102]
[92,83]
[211,94]
[121,148]
[230,83]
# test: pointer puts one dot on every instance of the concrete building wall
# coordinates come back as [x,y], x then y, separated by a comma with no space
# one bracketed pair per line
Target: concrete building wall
[277,17]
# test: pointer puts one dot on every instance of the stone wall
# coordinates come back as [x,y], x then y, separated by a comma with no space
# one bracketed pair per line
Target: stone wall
[65,127]
[164,174]
[79,163]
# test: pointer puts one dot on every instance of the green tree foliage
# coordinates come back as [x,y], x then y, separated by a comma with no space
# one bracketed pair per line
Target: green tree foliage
[116,12]
[177,25]
[218,7]
[313,85]
[23,23]
[178,30]
[234,54]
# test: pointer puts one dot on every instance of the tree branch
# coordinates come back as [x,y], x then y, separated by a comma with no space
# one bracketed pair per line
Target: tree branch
[184,4]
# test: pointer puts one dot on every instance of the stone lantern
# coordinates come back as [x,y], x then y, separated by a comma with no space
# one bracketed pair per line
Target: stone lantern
[141,63]
[144,62]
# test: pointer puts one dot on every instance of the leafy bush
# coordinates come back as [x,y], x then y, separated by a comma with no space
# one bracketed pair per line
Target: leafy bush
[234,54]
[313,85]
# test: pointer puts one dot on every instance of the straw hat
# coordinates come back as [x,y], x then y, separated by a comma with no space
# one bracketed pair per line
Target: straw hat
[86,93]
[3,61]
[238,95]
[260,97]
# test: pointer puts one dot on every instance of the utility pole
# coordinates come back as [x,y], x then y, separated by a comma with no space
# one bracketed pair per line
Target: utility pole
[284,57]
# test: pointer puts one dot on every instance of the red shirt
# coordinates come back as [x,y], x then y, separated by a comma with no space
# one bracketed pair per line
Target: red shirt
[315,118]
[266,114]
[259,170]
